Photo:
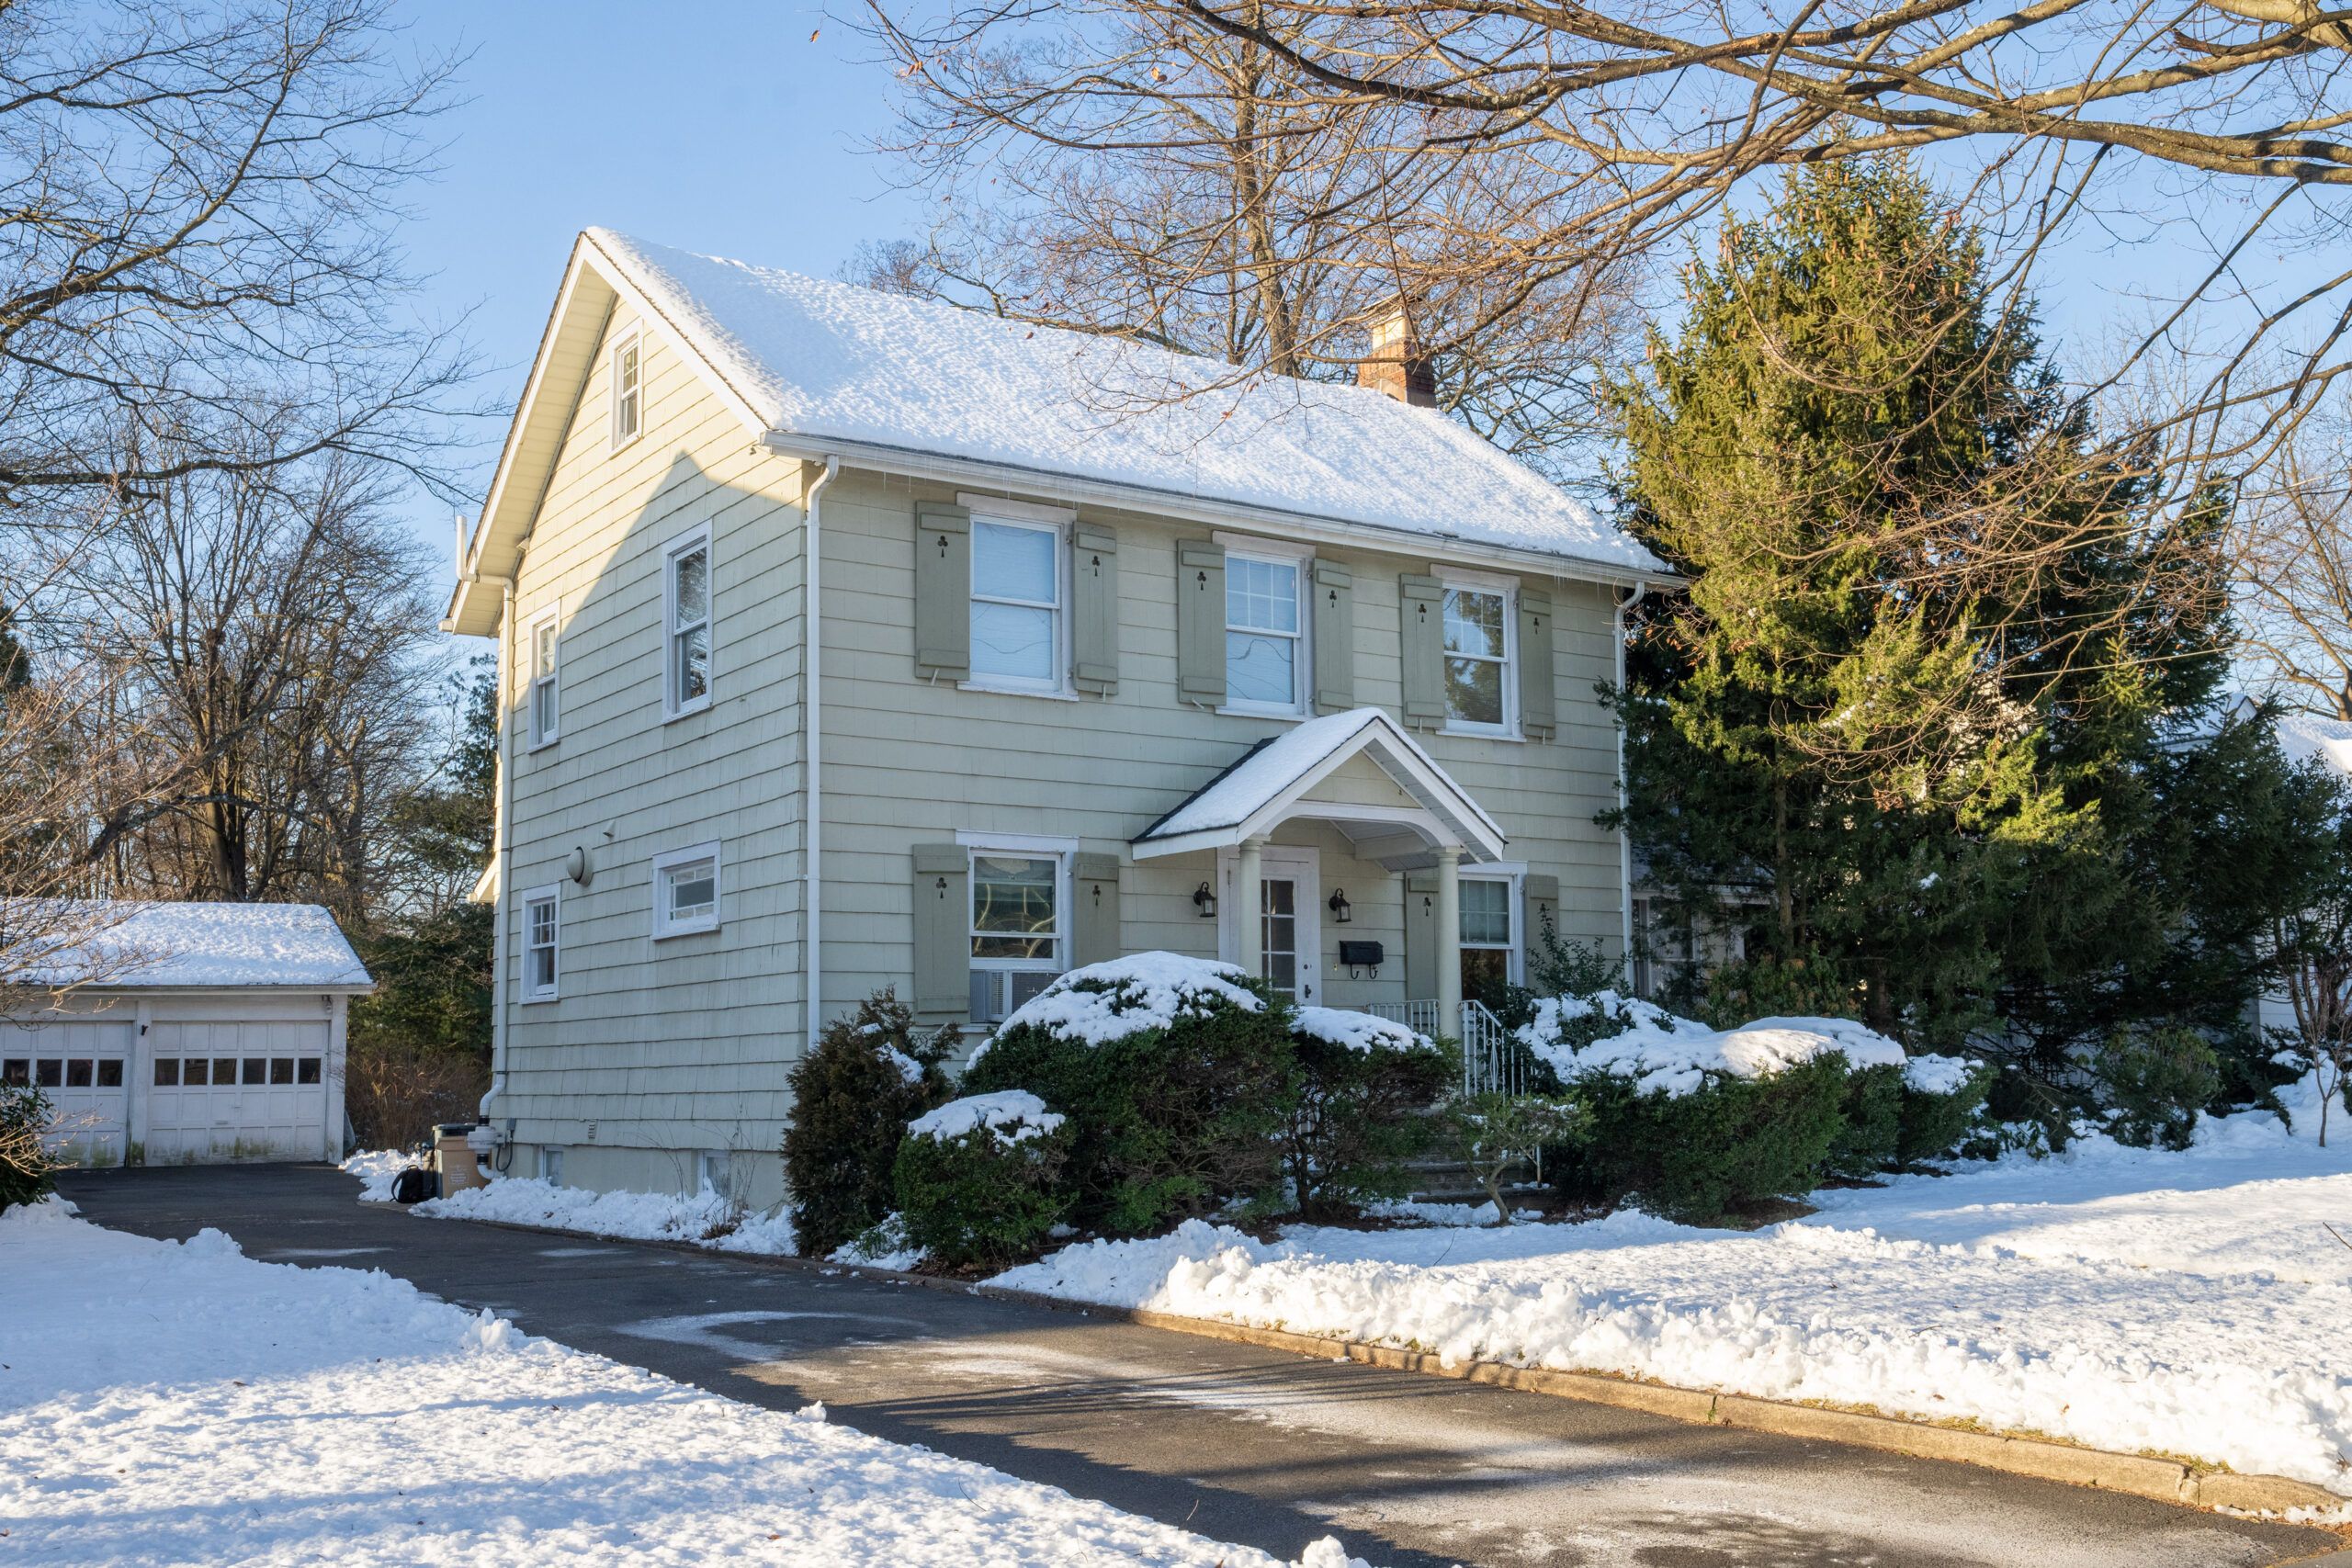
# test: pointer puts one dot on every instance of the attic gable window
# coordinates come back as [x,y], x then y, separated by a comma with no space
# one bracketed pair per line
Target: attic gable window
[545,644]
[628,391]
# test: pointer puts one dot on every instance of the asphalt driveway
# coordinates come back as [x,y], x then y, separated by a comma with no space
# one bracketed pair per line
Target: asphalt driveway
[1229,1440]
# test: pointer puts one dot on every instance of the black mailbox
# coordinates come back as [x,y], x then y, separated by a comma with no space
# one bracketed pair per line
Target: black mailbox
[1360,955]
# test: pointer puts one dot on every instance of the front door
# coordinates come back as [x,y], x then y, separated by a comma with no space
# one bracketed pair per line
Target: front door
[1290,922]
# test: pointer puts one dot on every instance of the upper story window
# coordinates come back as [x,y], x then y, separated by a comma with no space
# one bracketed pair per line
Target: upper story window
[685,891]
[1478,637]
[546,658]
[1019,589]
[541,924]
[628,387]
[1264,668]
[686,662]
[1017,935]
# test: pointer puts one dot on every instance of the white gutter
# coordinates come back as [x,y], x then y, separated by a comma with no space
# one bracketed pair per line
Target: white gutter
[1174,504]
[812,752]
[1624,835]
[502,850]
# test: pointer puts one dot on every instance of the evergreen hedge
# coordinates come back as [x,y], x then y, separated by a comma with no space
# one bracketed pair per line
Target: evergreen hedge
[1699,1157]
[1932,1126]
[987,1198]
[1354,1117]
[870,1074]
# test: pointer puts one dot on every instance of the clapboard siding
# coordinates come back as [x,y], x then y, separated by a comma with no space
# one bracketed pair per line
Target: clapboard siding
[674,1046]
[656,1050]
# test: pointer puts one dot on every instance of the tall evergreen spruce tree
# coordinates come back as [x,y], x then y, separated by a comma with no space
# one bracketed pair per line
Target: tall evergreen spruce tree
[1933,691]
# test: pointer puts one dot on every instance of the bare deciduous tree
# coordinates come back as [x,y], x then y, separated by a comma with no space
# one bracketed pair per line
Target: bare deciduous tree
[271,632]
[2294,564]
[196,208]
[1649,117]
[1150,176]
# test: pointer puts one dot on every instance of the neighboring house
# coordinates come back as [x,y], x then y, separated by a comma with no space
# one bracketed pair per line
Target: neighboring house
[193,1033]
[1283,672]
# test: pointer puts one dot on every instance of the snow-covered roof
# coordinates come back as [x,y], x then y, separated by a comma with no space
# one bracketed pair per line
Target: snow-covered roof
[832,361]
[1272,777]
[203,946]
[2303,735]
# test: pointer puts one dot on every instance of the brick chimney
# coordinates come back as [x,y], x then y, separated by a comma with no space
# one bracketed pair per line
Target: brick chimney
[1395,365]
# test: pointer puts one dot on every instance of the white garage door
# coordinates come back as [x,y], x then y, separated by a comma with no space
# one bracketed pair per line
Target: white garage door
[79,1065]
[237,1090]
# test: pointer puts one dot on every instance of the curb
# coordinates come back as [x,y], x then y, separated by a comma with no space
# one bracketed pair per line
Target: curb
[2137,1475]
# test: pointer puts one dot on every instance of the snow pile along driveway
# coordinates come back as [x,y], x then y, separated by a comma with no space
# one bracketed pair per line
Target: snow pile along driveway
[2189,1304]
[178,1403]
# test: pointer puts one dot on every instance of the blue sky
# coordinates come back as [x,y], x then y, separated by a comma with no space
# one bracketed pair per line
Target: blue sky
[717,127]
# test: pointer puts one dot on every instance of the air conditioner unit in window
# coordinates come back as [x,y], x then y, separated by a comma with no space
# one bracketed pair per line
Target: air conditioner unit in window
[997,992]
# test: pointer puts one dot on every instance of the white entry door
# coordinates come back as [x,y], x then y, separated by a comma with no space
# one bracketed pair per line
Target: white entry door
[1290,920]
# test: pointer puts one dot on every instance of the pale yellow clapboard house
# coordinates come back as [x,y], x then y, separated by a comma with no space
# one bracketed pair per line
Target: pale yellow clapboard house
[1300,676]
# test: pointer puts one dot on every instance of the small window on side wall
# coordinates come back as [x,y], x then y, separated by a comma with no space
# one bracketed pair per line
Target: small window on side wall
[687,593]
[628,387]
[541,933]
[685,891]
[1017,935]
[545,656]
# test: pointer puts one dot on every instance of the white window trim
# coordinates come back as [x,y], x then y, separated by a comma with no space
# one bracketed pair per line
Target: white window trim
[1060,687]
[632,336]
[551,893]
[1485,582]
[538,742]
[1033,848]
[681,545]
[1514,881]
[1005,509]
[1302,672]
[663,926]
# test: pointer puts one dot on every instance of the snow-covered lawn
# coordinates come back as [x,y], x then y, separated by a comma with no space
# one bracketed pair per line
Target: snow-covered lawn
[168,1403]
[2193,1304]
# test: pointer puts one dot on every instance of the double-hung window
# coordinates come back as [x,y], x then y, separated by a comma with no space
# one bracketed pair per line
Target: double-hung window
[1265,664]
[1489,945]
[628,387]
[685,891]
[1019,591]
[542,925]
[546,655]
[1478,638]
[1018,928]
[686,577]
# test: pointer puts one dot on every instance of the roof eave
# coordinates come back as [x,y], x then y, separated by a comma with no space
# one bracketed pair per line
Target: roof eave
[914,463]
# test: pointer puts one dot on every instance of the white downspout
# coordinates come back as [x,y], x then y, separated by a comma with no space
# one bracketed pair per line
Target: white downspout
[502,845]
[812,753]
[1624,835]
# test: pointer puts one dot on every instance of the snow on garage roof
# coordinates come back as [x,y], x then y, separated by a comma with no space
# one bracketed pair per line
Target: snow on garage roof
[827,360]
[194,945]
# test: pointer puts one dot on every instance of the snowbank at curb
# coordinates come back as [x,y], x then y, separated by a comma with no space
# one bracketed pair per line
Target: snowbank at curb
[298,1415]
[707,1219]
[2121,1298]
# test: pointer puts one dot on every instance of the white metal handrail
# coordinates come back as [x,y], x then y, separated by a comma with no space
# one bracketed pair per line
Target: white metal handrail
[1492,1061]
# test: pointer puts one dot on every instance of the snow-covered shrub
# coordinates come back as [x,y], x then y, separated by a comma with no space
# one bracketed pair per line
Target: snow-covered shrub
[1358,1108]
[980,1178]
[1765,986]
[1872,1113]
[1693,1122]
[871,1074]
[1173,1072]
[2157,1080]
[1942,1096]
[26,1164]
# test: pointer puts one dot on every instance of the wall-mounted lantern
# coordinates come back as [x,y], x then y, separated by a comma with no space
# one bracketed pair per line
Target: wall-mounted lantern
[1204,900]
[1341,913]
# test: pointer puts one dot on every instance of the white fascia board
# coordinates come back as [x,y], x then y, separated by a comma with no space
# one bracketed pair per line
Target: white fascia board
[909,463]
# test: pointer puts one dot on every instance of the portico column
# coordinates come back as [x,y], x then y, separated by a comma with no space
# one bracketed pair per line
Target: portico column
[1248,907]
[1449,939]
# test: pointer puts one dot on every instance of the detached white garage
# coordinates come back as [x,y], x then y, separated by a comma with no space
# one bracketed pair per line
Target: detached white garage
[214,1032]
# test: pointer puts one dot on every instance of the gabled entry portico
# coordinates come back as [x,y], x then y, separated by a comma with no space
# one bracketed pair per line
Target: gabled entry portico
[1361,774]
